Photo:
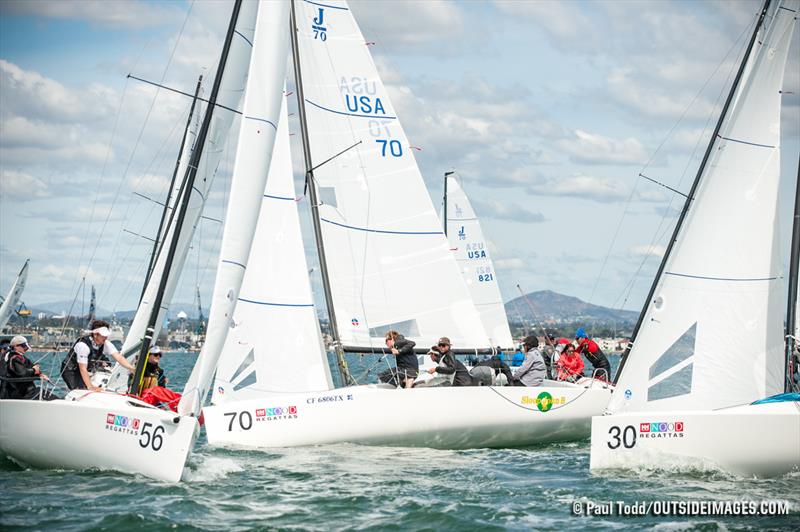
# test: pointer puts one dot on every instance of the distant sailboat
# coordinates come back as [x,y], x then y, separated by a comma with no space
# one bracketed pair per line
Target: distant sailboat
[14,294]
[709,342]
[385,265]
[107,430]
[463,230]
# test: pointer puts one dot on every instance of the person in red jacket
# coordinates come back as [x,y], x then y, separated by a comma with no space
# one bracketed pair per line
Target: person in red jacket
[589,348]
[570,365]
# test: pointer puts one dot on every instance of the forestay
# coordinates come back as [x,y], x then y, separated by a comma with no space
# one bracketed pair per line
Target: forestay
[230,94]
[257,132]
[388,260]
[711,336]
[475,262]
[13,297]
[274,345]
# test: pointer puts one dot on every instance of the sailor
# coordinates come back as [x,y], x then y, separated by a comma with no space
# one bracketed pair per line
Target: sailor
[496,366]
[593,354]
[570,365]
[448,365]
[89,354]
[549,353]
[533,370]
[407,363]
[153,374]
[19,366]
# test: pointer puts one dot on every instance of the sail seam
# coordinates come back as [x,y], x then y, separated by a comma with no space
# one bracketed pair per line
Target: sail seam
[270,304]
[262,120]
[742,279]
[382,231]
[234,263]
[284,198]
[325,5]
[745,142]
[350,114]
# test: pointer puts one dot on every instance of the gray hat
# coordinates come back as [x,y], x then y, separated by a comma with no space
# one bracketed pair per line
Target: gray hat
[18,340]
[155,350]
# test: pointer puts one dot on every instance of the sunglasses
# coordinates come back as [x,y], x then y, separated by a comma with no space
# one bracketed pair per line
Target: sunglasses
[444,345]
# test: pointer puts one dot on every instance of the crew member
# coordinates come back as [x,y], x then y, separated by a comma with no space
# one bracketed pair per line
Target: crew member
[448,365]
[589,348]
[19,366]
[407,363]
[87,355]
[533,370]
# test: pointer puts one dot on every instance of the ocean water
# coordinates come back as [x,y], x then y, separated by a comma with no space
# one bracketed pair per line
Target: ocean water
[352,487]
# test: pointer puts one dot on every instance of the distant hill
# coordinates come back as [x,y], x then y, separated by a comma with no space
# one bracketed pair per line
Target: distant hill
[554,307]
[58,307]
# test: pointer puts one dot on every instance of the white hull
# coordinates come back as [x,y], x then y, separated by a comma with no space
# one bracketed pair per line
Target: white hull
[752,440]
[103,431]
[451,418]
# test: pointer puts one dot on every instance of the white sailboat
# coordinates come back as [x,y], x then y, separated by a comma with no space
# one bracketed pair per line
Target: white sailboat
[463,230]
[14,294]
[107,430]
[709,342]
[386,264]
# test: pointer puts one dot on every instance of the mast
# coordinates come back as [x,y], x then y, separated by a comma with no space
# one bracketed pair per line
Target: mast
[444,200]
[312,196]
[191,173]
[791,306]
[92,308]
[161,228]
[695,184]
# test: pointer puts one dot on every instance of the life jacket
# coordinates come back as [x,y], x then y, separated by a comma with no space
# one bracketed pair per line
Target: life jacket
[70,362]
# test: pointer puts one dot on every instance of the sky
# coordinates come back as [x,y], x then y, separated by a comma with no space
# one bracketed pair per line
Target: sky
[548,111]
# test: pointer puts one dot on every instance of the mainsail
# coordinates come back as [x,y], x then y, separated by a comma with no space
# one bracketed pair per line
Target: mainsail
[711,334]
[230,93]
[12,299]
[388,261]
[475,262]
[257,132]
[275,344]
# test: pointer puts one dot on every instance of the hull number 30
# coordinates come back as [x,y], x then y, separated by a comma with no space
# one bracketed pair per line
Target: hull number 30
[625,437]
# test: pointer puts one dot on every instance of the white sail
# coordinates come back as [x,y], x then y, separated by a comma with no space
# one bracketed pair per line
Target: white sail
[275,345]
[12,298]
[711,336]
[388,259]
[260,116]
[472,255]
[230,93]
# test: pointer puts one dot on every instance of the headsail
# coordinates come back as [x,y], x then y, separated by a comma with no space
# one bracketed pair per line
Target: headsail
[275,345]
[260,116]
[472,254]
[711,335]
[230,93]
[388,260]
[12,299]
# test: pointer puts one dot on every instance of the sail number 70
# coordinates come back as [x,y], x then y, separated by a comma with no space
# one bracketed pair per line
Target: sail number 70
[625,437]
[245,420]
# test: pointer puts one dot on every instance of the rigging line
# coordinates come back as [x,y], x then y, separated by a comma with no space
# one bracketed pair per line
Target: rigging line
[663,227]
[141,133]
[669,135]
[121,264]
[329,159]
[183,93]
[663,185]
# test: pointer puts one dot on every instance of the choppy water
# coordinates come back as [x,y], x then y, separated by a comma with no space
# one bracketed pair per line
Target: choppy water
[358,487]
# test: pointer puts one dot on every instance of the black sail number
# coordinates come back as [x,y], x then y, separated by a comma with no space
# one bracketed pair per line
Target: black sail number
[625,437]
[245,420]
[153,439]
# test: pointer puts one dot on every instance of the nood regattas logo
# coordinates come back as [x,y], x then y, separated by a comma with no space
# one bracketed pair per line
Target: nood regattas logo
[276,412]
[661,429]
[124,424]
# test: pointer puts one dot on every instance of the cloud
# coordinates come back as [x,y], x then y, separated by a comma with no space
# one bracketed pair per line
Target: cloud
[596,149]
[17,185]
[116,14]
[648,250]
[510,264]
[504,210]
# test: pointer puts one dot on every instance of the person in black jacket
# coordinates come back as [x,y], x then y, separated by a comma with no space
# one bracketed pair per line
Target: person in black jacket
[18,366]
[448,365]
[496,363]
[407,364]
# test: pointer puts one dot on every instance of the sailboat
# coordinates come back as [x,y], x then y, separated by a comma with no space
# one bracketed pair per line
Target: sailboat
[14,294]
[463,230]
[709,345]
[117,431]
[385,264]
